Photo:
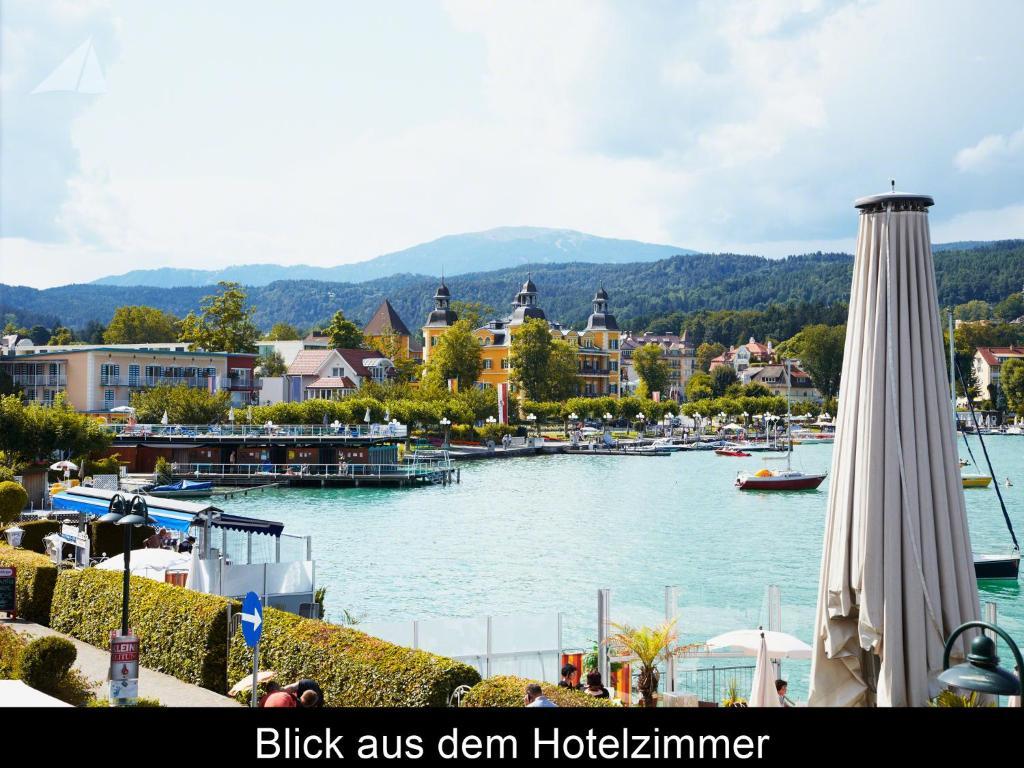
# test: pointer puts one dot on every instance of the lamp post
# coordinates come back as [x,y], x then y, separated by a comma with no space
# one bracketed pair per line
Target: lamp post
[445,423]
[641,419]
[14,535]
[745,415]
[981,672]
[127,514]
[668,425]
[532,418]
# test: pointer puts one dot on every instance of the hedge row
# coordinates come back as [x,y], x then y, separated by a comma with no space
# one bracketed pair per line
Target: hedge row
[509,691]
[36,579]
[11,646]
[182,633]
[35,532]
[352,668]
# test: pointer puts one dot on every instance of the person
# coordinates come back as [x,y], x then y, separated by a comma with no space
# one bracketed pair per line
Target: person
[535,697]
[300,688]
[595,687]
[309,699]
[156,541]
[1009,483]
[279,698]
[569,678]
[231,458]
[781,686]
[187,544]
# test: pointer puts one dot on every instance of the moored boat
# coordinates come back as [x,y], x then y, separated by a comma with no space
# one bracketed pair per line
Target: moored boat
[183,489]
[782,480]
[976,481]
[731,452]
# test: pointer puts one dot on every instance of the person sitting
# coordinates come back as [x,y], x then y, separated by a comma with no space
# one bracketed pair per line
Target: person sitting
[535,697]
[569,678]
[278,698]
[309,699]
[595,687]
[306,685]
[156,541]
[781,686]
[186,544]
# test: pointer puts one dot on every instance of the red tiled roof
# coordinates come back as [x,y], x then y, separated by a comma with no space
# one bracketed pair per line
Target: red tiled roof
[309,362]
[991,355]
[333,382]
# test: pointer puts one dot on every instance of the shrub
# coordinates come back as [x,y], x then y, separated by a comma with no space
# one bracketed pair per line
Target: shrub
[36,579]
[11,646]
[7,474]
[181,632]
[162,468]
[109,465]
[352,668]
[108,538]
[139,702]
[508,691]
[45,661]
[35,532]
[13,499]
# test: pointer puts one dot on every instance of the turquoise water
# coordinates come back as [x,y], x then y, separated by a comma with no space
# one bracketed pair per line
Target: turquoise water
[543,534]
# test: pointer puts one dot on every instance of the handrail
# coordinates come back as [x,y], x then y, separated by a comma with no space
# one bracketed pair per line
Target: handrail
[300,469]
[213,431]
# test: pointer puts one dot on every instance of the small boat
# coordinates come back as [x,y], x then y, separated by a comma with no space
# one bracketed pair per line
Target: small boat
[183,489]
[996,566]
[976,481]
[783,480]
[731,452]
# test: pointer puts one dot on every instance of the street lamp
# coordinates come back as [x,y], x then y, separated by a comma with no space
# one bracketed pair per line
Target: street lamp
[127,514]
[14,535]
[533,421]
[981,672]
[445,423]
[491,420]
[745,415]
[641,419]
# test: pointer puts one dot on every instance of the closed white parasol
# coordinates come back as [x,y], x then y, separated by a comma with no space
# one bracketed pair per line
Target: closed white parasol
[897,575]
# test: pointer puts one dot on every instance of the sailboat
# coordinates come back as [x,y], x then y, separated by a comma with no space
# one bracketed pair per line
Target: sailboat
[787,479]
[986,565]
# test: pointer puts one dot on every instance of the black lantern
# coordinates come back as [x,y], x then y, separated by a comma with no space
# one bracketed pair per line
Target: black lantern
[981,672]
[127,514]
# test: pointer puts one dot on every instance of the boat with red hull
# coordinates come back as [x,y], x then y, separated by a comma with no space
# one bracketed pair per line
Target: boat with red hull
[785,480]
[731,452]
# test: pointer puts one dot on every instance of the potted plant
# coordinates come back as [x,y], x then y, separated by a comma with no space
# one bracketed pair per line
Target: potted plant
[649,645]
[732,695]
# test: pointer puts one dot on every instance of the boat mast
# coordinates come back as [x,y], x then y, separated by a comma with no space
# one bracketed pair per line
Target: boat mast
[952,382]
[789,417]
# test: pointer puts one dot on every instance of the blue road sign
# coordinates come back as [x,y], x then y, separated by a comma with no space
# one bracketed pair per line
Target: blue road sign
[252,619]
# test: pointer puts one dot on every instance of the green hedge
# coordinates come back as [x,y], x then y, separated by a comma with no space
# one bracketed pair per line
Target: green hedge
[508,691]
[36,579]
[108,538]
[352,668]
[11,646]
[35,532]
[181,632]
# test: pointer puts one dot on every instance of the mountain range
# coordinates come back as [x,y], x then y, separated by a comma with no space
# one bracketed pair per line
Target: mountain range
[451,255]
[638,292]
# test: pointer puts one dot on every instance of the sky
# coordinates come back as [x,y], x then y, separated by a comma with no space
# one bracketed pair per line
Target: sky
[331,132]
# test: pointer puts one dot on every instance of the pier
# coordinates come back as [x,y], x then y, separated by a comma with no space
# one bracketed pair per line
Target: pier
[254,477]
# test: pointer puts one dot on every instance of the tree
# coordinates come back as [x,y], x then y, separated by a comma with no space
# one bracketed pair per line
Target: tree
[707,352]
[976,309]
[92,332]
[821,355]
[225,323]
[183,404]
[472,311]
[271,363]
[343,333]
[529,355]
[283,332]
[561,380]
[1010,308]
[456,356]
[1012,378]
[652,368]
[722,378]
[13,499]
[390,344]
[698,387]
[39,334]
[61,336]
[30,432]
[140,324]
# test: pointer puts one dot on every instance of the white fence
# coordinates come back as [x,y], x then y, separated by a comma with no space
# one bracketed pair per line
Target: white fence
[524,645]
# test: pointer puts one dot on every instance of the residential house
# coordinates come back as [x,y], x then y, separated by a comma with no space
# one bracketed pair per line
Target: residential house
[676,351]
[988,363]
[774,377]
[742,357]
[330,374]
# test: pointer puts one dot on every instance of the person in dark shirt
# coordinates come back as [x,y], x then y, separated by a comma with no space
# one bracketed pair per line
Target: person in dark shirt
[568,678]
[304,685]
[595,687]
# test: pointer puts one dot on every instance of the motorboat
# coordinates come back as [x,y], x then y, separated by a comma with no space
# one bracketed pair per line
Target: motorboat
[997,566]
[976,481]
[781,480]
[183,489]
[731,452]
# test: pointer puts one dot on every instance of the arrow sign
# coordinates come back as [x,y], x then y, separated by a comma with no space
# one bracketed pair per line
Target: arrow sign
[252,619]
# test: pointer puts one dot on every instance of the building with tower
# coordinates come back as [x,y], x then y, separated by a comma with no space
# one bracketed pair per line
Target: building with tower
[597,344]
[385,321]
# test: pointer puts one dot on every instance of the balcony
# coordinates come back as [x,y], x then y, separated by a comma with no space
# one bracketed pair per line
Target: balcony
[40,380]
[241,382]
[586,370]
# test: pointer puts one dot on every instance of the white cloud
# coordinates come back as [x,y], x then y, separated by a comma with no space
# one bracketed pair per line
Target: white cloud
[1006,223]
[992,152]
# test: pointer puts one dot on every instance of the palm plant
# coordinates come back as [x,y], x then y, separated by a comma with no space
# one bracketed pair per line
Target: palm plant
[649,645]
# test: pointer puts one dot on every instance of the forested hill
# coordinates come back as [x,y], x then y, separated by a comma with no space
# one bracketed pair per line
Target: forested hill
[637,292]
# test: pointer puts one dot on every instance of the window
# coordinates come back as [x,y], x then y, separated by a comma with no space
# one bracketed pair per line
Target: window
[487,365]
[613,344]
[109,373]
[133,375]
[48,395]
[108,398]
[338,371]
[505,363]
[433,341]
[613,388]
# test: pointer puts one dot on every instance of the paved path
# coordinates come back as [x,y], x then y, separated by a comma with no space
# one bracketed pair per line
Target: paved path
[94,662]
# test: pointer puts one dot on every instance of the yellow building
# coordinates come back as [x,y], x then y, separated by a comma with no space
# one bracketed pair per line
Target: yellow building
[597,345]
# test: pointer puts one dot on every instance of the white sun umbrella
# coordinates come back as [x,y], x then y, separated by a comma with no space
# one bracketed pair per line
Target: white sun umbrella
[748,642]
[163,419]
[122,409]
[387,415]
[151,563]
[897,574]
[366,418]
[231,414]
[762,692]
[64,466]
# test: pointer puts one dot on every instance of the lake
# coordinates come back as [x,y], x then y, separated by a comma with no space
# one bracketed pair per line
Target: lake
[544,533]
